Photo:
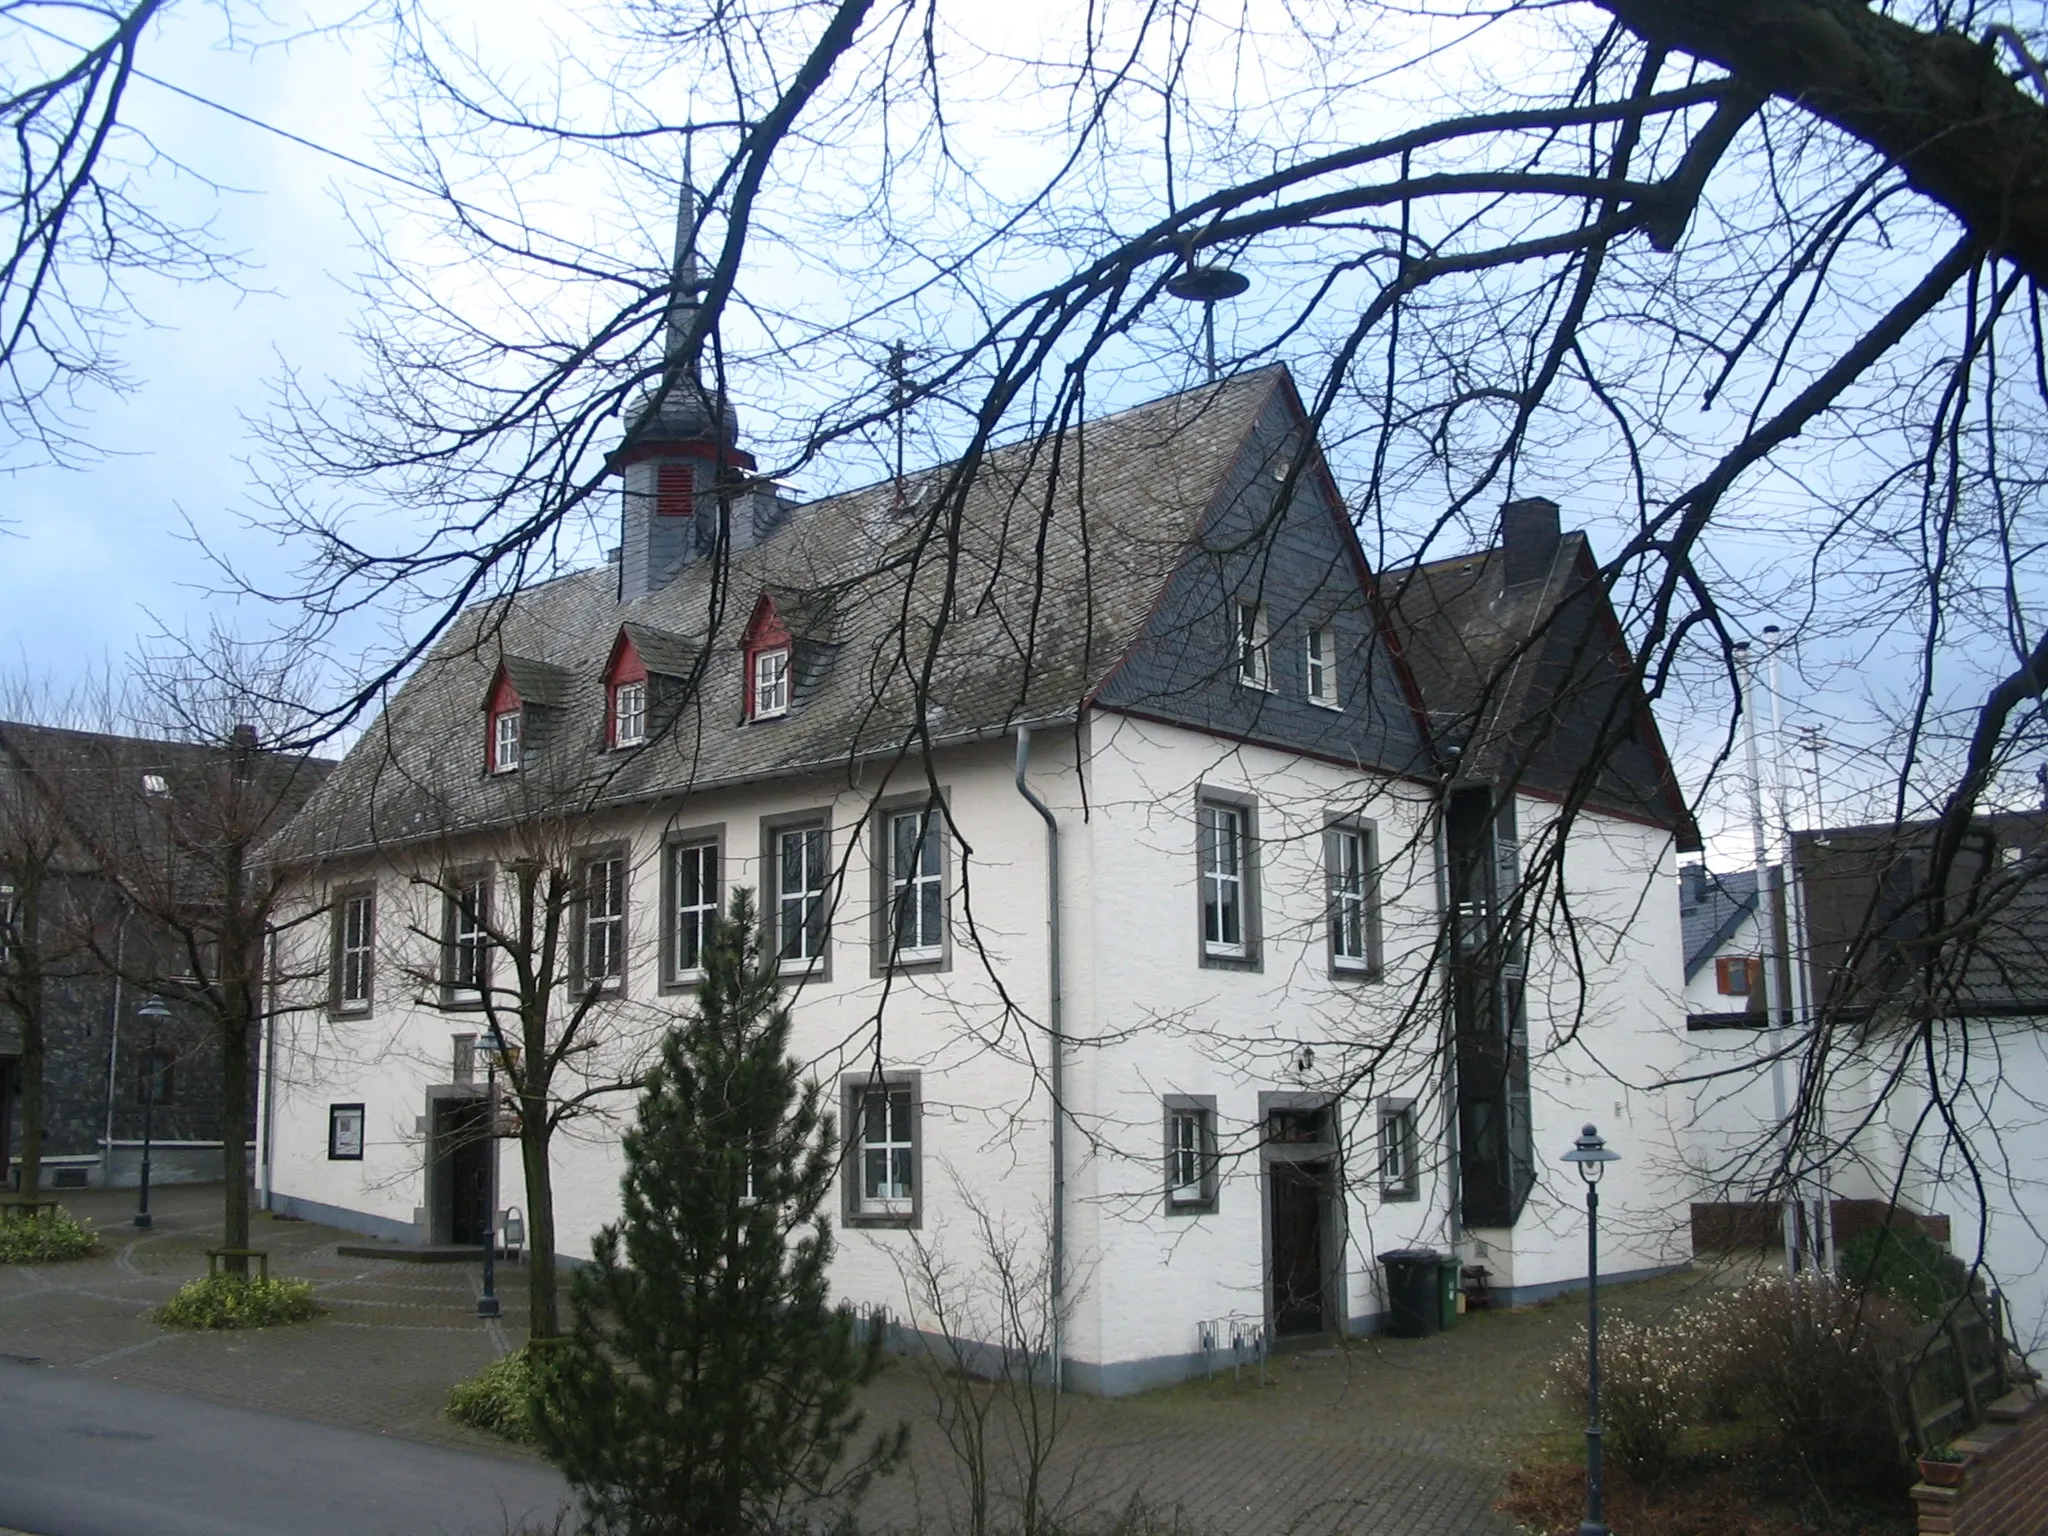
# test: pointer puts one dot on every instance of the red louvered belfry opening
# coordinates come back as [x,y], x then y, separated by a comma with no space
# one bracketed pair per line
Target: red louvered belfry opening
[675,490]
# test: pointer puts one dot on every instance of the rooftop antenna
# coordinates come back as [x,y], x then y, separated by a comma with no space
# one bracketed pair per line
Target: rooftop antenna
[898,369]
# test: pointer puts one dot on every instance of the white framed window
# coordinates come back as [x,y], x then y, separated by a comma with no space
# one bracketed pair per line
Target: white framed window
[771,683]
[1190,1155]
[693,875]
[505,726]
[1222,835]
[1348,853]
[601,952]
[354,939]
[1320,666]
[1254,663]
[1399,1174]
[8,907]
[887,1117]
[468,948]
[917,897]
[629,714]
[800,907]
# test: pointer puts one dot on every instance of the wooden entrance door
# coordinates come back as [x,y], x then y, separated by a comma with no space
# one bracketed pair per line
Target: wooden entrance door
[461,1131]
[1297,1193]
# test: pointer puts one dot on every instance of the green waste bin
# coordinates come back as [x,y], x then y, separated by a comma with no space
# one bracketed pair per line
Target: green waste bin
[1414,1307]
[1447,1282]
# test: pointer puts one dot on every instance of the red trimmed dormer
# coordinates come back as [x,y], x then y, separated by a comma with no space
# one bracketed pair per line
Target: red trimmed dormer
[504,724]
[625,695]
[768,646]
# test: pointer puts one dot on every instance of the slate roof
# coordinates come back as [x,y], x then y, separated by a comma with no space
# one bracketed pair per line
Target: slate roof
[95,782]
[1869,918]
[1710,908]
[1050,579]
[1518,680]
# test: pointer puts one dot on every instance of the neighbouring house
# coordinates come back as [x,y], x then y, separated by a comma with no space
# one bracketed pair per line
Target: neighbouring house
[88,821]
[1146,872]
[1935,1079]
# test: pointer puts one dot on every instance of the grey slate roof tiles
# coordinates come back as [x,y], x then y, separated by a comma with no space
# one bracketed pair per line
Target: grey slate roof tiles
[1035,588]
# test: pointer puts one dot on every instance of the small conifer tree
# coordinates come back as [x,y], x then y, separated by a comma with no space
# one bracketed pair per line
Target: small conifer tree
[706,1386]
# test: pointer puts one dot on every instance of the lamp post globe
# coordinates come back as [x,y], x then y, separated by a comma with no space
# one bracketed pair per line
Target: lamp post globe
[1591,1155]
[494,1047]
[156,1014]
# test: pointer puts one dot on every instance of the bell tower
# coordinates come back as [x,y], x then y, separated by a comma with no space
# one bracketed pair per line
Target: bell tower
[681,440]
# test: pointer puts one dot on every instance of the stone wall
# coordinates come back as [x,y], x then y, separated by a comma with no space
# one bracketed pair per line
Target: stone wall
[2005,1484]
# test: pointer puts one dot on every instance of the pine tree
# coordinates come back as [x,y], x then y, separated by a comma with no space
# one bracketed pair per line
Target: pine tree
[706,1386]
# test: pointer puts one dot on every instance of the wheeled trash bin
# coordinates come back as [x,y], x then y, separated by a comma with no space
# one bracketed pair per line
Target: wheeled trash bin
[1414,1300]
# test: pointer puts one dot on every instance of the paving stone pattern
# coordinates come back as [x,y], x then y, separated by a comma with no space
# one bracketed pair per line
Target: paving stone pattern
[1395,1436]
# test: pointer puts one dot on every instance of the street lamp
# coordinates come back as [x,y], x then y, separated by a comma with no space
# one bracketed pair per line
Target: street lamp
[152,1083]
[1591,1154]
[494,1046]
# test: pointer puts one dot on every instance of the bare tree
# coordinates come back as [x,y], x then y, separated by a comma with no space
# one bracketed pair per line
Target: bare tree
[80,227]
[178,830]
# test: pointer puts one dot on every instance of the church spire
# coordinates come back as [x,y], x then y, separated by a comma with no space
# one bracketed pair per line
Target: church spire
[686,283]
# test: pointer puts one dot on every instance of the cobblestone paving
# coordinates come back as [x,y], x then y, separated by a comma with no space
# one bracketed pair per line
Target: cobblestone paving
[1405,1437]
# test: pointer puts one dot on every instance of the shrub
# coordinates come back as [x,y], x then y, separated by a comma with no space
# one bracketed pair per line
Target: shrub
[238,1301]
[1814,1362]
[1907,1265]
[1648,1390]
[497,1400]
[46,1239]
[1806,1366]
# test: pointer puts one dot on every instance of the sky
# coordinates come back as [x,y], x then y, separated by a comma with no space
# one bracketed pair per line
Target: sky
[94,560]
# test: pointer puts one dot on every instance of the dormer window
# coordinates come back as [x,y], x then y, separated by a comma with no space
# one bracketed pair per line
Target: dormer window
[505,731]
[629,714]
[770,692]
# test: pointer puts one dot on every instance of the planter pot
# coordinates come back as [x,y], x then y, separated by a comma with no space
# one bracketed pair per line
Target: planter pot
[1942,1474]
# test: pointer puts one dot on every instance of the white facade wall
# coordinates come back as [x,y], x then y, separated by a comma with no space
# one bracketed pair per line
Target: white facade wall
[1606,1032]
[1160,1022]
[1146,1018]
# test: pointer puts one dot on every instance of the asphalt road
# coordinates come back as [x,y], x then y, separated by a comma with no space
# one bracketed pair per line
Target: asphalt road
[86,1457]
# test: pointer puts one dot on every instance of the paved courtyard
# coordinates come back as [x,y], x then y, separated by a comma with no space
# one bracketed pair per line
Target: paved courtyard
[1408,1436]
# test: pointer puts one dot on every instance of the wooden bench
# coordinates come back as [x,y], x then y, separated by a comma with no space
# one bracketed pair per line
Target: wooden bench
[260,1255]
[20,1208]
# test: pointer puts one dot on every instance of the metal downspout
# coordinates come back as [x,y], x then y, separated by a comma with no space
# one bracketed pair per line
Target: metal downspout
[1056,1053]
[266,1148]
[1454,1213]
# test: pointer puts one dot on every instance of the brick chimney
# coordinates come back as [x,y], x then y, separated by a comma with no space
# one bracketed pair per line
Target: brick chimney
[1529,538]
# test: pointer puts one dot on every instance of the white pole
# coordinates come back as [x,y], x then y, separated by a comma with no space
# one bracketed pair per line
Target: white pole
[1766,935]
[1821,1230]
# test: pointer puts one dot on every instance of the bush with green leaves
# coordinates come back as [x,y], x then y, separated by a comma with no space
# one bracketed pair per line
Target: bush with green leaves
[239,1301]
[497,1400]
[49,1238]
[1907,1265]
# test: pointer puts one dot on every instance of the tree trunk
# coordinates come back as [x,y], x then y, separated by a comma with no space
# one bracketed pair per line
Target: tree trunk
[1936,104]
[542,1291]
[235,1032]
[31,1069]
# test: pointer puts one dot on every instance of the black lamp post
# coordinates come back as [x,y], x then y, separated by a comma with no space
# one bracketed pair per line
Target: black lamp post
[1591,1155]
[494,1046]
[152,1084]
